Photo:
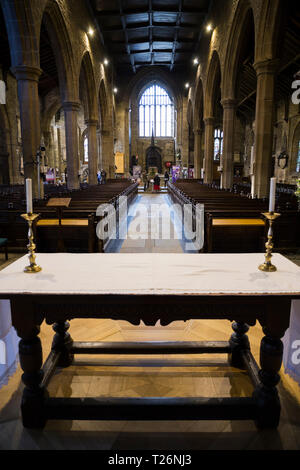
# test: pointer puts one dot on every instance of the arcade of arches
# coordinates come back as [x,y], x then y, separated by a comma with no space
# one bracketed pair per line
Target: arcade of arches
[61,94]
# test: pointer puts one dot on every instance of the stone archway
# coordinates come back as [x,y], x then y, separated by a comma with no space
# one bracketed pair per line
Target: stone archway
[198,129]
[212,107]
[87,92]
[153,158]
[106,130]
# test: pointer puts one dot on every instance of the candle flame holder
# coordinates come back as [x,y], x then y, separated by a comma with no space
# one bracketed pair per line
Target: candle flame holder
[33,267]
[267,266]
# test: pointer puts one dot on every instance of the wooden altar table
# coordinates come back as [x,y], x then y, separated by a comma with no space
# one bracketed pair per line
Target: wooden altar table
[151,287]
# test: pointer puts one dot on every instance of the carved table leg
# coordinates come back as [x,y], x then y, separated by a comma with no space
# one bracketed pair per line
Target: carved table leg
[31,360]
[238,342]
[27,324]
[62,343]
[271,351]
[266,394]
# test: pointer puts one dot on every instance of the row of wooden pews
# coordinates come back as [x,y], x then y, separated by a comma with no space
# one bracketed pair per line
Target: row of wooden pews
[71,228]
[234,222]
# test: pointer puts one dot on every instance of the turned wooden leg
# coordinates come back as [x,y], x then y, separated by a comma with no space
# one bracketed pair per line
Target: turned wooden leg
[275,322]
[266,394]
[62,343]
[31,359]
[27,321]
[238,342]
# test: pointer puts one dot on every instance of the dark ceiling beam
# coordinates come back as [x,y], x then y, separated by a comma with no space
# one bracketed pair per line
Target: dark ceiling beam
[137,11]
[187,28]
[124,27]
[293,61]
[178,20]
[118,55]
[151,31]
[247,98]
[165,64]
[132,42]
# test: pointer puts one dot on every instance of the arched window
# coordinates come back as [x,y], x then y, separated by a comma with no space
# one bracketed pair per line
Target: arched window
[156,113]
[86,149]
[218,147]
[298,159]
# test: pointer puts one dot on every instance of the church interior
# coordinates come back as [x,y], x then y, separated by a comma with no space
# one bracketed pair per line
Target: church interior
[149,158]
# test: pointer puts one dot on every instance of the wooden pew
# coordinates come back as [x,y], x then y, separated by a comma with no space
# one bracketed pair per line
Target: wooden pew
[81,215]
[230,219]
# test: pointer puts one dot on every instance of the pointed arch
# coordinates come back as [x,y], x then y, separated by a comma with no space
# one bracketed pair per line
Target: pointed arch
[190,114]
[145,76]
[268,33]
[237,37]
[103,106]
[20,25]
[156,111]
[62,47]
[198,105]
[213,83]
[87,88]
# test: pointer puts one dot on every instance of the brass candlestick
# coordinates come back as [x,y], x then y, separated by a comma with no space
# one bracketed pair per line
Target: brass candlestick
[267,266]
[33,267]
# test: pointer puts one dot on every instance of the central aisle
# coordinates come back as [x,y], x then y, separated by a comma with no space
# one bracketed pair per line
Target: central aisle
[141,217]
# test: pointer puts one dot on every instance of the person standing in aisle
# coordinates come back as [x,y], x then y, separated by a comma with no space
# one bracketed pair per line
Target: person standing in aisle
[166,178]
[156,183]
[145,181]
[103,176]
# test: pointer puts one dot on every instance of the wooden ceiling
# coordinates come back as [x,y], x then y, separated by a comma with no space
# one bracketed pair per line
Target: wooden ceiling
[140,33]
[49,78]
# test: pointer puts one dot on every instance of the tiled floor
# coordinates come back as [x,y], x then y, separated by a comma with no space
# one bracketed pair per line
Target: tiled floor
[139,376]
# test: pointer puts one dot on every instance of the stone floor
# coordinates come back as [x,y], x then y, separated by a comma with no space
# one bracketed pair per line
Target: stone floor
[140,376]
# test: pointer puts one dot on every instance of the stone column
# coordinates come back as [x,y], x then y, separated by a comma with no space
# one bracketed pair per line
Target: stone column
[28,79]
[229,109]
[209,149]
[98,133]
[49,148]
[71,109]
[93,149]
[80,148]
[198,155]
[59,151]
[54,148]
[264,121]
[107,150]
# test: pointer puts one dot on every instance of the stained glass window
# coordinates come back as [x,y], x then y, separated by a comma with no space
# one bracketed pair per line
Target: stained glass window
[156,113]
[218,144]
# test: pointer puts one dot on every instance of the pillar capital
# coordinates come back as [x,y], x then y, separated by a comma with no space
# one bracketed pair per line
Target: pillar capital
[27,72]
[209,121]
[229,103]
[268,66]
[71,106]
[91,122]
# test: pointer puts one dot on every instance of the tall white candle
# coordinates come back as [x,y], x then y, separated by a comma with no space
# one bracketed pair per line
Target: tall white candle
[29,196]
[272,195]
